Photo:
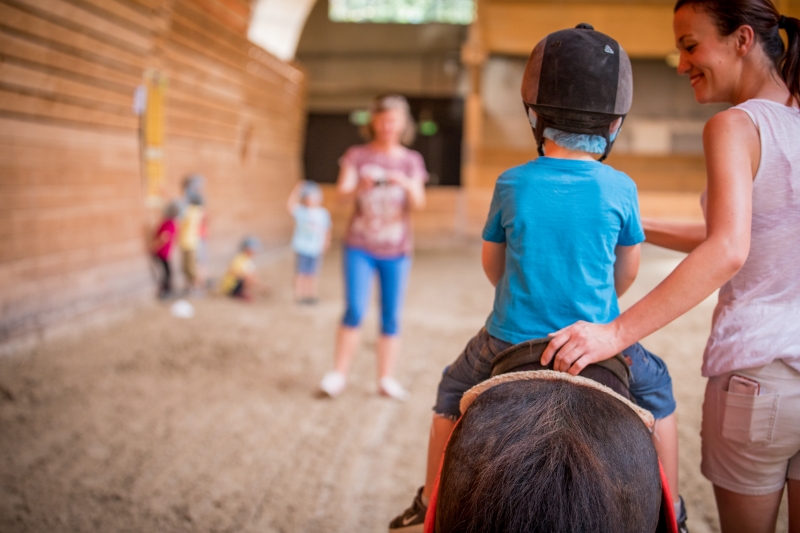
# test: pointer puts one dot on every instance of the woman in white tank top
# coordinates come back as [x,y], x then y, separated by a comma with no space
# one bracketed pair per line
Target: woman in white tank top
[749,248]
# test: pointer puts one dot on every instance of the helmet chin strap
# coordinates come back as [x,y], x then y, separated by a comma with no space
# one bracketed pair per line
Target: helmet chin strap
[538,133]
[609,142]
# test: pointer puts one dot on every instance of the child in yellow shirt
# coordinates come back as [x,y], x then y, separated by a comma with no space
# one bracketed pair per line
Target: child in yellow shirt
[240,280]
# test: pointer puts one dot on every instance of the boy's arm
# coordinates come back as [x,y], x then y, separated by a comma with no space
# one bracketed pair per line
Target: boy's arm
[493,258]
[626,267]
[294,198]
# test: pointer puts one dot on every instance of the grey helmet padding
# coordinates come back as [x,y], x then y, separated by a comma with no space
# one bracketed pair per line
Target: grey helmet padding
[579,81]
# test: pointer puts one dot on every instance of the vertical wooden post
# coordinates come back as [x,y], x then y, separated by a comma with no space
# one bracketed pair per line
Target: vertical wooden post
[473,56]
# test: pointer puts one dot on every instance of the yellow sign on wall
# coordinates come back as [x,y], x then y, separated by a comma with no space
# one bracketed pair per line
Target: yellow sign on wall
[152,134]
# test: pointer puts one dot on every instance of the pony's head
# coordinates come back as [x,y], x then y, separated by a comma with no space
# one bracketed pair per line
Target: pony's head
[549,456]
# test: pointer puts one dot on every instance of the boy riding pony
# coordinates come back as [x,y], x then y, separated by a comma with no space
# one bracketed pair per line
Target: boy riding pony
[562,239]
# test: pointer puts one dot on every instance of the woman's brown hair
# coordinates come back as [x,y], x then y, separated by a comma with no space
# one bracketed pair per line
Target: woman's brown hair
[766,21]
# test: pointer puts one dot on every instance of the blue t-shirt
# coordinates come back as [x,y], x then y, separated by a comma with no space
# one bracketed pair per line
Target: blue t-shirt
[561,221]
[311,229]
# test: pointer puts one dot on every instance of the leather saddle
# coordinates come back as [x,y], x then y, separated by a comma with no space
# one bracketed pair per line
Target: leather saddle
[613,373]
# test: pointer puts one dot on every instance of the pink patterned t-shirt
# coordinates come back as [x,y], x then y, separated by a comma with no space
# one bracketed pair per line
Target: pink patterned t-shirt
[380,224]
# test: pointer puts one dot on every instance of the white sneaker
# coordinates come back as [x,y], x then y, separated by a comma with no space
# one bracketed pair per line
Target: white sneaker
[333,384]
[391,387]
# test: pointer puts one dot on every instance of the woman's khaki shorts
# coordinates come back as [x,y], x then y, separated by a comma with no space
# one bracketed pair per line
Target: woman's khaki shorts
[751,444]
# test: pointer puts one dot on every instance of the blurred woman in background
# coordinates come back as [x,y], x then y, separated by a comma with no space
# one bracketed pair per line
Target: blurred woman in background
[386,180]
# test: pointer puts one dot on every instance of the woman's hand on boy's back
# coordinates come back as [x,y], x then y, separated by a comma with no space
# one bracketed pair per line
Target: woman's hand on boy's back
[583,343]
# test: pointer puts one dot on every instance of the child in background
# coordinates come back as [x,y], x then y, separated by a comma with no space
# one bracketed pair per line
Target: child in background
[240,279]
[195,184]
[161,245]
[189,238]
[312,237]
[202,252]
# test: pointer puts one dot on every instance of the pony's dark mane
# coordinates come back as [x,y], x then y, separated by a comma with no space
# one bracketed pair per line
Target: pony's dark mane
[547,456]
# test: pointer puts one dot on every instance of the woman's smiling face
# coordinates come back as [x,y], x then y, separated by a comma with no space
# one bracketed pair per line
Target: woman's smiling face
[706,57]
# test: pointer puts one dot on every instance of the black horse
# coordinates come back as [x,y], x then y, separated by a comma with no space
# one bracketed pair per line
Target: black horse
[542,451]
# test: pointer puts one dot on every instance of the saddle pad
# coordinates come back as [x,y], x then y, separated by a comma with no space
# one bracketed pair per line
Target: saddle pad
[470,396]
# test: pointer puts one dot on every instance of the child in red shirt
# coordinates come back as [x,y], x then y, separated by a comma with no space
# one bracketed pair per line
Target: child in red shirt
[161,246]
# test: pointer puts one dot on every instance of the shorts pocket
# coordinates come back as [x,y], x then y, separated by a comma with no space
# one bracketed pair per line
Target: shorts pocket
[749,420]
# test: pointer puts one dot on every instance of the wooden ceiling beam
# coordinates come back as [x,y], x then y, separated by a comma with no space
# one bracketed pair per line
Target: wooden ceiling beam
[514,28]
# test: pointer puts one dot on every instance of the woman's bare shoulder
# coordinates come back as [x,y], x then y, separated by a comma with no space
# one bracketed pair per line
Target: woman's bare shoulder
[731,143]
[733,127]
[730,118]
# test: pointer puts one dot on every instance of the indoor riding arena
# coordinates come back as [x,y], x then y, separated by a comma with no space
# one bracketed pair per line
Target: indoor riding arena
[124,407]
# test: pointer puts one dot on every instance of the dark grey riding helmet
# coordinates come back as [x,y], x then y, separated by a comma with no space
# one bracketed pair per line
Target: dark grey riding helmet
[579,81]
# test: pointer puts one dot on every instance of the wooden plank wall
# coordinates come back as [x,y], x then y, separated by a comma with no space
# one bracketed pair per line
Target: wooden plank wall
[72,216]
[236,115]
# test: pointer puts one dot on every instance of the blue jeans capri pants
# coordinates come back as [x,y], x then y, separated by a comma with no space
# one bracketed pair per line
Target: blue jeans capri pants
[360,268]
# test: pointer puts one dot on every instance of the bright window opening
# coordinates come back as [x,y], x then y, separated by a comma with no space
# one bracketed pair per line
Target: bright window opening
[403,11]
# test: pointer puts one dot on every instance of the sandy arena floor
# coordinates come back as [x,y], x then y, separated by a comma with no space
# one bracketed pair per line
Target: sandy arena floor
[160,424]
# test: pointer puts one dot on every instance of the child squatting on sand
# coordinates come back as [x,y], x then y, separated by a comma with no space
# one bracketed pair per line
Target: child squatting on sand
[562,239]
[241,280]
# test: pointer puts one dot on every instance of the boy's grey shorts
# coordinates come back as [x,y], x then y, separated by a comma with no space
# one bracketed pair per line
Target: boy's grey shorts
[651,384]
[473,366]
